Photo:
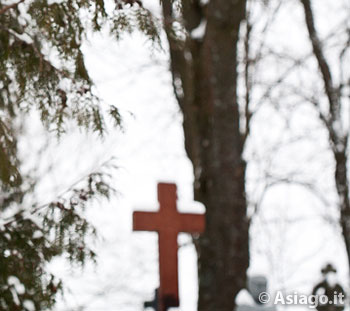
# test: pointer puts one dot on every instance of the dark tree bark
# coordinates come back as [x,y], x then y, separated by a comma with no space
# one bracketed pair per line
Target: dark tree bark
[332,120]
[204,73]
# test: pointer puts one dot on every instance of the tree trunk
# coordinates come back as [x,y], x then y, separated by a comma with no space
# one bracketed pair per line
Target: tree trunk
[204,73]
[341,179]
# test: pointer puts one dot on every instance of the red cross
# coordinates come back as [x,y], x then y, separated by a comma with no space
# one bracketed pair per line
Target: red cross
[168,222]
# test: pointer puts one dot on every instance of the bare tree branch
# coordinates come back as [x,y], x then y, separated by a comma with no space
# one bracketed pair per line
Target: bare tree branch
[321,58]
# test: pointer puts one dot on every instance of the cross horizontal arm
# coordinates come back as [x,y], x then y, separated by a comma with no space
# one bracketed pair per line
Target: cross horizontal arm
[146,221]
[192,223]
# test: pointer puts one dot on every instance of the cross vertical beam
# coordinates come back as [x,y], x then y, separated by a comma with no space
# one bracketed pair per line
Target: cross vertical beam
[168,222]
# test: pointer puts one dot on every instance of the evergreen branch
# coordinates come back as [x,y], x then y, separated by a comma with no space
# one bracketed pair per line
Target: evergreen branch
[10,6]
[21,215]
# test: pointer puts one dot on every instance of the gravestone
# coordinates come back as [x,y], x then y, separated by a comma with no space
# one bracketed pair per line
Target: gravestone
[250,300]
[329,287]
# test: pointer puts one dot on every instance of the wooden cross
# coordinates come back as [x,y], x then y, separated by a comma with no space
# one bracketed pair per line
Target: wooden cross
[168,222]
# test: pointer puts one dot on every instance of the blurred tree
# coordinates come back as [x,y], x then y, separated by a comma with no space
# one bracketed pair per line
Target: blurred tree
[332,102]
[203,38]
[42,69]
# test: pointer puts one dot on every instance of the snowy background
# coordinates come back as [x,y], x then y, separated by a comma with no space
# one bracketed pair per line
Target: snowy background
[293,233]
